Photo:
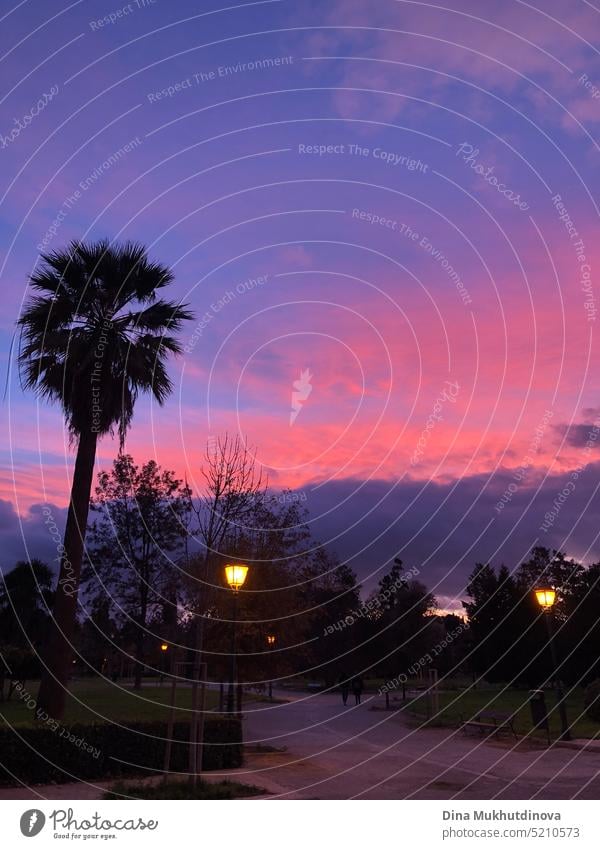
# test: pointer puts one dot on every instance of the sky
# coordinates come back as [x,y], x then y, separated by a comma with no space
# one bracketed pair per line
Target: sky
[384,216]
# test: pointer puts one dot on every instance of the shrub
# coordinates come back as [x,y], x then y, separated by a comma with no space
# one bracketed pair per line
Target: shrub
[591,699]
[45,754]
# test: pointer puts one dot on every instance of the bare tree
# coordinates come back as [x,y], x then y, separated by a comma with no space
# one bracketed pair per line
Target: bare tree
[234,485]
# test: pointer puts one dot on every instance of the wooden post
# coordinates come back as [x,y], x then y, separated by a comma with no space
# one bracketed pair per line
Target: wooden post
[433,696]
[192,760]
[171,720]
[199,722]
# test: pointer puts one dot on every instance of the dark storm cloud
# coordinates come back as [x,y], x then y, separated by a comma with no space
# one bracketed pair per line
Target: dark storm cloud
[445,528]
[583,433]
[33,535]
[579,435]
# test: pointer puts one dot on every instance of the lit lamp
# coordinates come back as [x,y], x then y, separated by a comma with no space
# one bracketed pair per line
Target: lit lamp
[163,647]
[271,639]
[546,597]
[235,575]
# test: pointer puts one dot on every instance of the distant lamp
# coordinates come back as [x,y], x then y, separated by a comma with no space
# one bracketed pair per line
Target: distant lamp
[163,647]
[546,597]
[271,644]
[236,575]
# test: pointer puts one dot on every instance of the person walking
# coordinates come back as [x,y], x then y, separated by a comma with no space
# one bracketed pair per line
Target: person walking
[357,688]
[344,687]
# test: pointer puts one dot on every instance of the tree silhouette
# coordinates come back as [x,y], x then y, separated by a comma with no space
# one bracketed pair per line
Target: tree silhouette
[93,339]
[25,595]
[132,545]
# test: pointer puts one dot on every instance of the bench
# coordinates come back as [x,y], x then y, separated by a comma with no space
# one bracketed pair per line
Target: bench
[489,722]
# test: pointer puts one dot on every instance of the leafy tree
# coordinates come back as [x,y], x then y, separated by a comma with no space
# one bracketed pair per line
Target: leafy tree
[17,664]
[331,597]
[385,596]
[92,340]
[100,634]
[578,627]
[557,570]
[495,623]
[407,629]
[25,597]
[140,529]
[271,539]
[509,637]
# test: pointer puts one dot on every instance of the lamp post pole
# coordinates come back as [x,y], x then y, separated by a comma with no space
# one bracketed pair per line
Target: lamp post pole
[565,733]
[233,673]
[235,575]
[546,597]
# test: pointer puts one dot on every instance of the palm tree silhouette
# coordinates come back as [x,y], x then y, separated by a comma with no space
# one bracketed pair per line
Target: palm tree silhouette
[93,339]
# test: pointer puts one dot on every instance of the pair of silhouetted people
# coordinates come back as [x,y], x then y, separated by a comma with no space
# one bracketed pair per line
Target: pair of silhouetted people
[356,685]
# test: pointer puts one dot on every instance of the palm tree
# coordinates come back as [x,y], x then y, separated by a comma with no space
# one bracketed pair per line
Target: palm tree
[93,339]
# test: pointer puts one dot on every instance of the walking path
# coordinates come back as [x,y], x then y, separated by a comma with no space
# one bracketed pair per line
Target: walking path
[341,752]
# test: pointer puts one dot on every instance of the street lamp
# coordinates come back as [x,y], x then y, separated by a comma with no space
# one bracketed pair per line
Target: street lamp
[235,575]
[546,597]
[164,648]
[271,644]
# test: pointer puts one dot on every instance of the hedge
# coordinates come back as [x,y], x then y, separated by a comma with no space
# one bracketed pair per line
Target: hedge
[591,698]
[44,755]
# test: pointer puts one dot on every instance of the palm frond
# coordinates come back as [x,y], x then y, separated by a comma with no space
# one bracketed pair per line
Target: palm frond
[160,316]
[85,345]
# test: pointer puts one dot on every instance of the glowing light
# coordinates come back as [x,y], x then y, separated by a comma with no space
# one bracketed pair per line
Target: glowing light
[546,597]
[236,575]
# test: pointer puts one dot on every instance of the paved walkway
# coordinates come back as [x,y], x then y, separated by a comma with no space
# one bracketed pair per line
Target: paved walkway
[314,748]
[337,753]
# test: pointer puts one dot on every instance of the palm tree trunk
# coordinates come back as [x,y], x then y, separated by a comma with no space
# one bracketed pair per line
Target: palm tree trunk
[57,658]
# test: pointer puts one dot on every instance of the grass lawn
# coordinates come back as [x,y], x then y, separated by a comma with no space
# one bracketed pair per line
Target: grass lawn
[96,700]
[469,702]
[183,790]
